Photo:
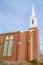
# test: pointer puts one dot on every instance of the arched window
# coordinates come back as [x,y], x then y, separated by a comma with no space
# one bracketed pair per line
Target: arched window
[6,46]
[32,21]
[10,46]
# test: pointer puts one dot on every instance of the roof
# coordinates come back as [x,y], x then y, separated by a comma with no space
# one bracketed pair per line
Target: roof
[17,32]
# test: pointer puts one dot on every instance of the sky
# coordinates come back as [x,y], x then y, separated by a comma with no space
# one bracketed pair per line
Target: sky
[15,16]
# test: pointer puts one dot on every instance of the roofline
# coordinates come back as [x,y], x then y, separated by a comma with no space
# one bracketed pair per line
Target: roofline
[17,32]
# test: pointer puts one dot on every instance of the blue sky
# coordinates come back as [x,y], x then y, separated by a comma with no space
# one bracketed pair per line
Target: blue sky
[15,16]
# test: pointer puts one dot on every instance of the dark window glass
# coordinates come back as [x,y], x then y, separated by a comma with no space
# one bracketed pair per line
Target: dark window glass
[32,21]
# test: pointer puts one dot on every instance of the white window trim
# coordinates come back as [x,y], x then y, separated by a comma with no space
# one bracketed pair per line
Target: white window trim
[7,38]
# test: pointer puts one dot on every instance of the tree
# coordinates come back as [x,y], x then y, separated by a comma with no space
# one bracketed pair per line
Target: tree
[34,61]
[1,56]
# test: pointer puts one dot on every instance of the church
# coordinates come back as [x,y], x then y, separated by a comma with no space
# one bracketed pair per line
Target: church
[22,45]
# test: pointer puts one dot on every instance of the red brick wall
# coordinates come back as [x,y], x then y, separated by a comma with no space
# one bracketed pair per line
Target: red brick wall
[21,50]
[14,49]
[22,47]
[35,43]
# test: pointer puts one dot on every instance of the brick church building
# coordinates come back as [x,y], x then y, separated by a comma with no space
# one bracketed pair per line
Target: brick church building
[22,45]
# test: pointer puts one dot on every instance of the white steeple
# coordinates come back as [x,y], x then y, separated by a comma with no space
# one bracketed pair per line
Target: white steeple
[33,19]
[33,11]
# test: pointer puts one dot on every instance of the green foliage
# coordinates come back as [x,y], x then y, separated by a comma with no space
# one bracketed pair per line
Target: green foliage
[41,59]
[34,61]
[1,57]
[0,43]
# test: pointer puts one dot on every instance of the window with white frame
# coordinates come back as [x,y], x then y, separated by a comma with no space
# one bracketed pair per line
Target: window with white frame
[10,46]
[6,46]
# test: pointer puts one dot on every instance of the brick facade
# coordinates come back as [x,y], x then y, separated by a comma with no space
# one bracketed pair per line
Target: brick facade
[25,45]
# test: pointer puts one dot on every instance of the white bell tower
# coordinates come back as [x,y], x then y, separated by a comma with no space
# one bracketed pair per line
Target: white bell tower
[33,19]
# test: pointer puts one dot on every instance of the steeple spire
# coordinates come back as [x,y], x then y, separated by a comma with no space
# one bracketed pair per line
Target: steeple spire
[33,19]
[33,10]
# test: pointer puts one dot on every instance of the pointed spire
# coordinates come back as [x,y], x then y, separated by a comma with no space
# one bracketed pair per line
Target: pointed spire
[33,10]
